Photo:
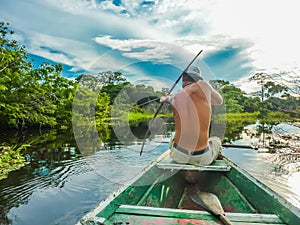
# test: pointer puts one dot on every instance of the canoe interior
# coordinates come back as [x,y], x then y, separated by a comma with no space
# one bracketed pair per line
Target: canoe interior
[166,199]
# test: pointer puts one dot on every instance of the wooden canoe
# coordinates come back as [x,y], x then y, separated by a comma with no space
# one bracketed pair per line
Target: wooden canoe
[160,195]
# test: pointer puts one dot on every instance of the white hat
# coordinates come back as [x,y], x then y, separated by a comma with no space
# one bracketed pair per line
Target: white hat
[194,73]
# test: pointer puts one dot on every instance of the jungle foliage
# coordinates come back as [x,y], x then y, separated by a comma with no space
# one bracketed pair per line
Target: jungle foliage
[41,97]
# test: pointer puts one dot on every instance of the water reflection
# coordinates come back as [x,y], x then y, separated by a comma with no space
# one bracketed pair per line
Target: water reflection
[59,197]
[59,185]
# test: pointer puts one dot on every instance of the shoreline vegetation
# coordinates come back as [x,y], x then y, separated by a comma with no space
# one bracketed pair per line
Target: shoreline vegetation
[41,98]
[12,156]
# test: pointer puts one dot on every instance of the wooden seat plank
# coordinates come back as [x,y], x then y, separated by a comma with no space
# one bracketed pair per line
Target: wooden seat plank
[168,163]
[197,214]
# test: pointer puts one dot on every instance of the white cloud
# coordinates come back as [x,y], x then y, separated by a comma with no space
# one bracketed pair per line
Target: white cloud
[144,50]
[122,45]
[67,51]
[271,25]
[156,82]
[79,31]
[247,86]
[83,7]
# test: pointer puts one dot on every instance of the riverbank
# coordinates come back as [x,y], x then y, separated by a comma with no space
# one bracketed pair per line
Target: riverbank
[11,158]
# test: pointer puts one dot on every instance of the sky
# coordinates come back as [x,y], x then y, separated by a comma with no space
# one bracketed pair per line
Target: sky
[152,41]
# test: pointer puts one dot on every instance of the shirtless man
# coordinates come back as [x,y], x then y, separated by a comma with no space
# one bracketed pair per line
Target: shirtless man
[192,115]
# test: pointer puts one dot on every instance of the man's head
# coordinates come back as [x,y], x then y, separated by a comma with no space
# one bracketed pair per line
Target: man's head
[193,74]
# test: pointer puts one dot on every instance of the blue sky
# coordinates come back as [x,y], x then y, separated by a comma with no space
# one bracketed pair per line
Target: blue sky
[154,40]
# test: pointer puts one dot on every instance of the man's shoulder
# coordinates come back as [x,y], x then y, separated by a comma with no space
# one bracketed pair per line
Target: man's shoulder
[202,82]
[201,85]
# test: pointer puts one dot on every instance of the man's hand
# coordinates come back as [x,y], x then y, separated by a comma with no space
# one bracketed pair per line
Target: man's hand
[168,98]
[163,99]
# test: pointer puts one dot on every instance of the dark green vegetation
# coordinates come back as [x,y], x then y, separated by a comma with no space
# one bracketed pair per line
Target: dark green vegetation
[41,98]
[31,97]
[11,158]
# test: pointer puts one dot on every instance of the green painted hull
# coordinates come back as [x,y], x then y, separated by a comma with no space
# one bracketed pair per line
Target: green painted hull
[166,198]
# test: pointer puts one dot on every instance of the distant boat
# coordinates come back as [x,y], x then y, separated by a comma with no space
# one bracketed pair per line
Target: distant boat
[160,195]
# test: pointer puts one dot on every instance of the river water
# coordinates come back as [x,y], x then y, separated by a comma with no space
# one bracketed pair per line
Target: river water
[59,185]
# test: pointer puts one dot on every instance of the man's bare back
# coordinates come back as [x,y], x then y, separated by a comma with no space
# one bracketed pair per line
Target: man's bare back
[192,117]
[192,112]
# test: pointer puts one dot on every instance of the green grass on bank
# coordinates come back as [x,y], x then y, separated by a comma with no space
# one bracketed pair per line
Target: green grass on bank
[271,117]
[279,116]
[141,116]
[256,116]
[245,116]
[11,158]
